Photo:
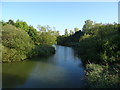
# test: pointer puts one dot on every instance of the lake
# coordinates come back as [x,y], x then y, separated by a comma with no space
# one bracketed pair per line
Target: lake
[61,70]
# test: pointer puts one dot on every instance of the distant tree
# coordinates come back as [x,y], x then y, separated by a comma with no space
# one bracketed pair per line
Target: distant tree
[46,38]
[87,26]
[41,28]
[71,32]
[76,29]
[10,22]
[48,27]
[46,35]
[66,32]
[56,33]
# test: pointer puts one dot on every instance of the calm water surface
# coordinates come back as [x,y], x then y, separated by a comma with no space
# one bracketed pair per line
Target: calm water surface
[61,70]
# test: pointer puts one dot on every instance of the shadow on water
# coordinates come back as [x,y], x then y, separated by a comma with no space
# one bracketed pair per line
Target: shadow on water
[11,81]
[14,74]
[62,70]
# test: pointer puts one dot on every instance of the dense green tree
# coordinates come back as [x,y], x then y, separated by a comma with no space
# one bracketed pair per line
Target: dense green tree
[104,42]
[102,39]
[21,41]
[32,32]
[17,45]
[46,38]
[46,35]
[22,25]
[87,26]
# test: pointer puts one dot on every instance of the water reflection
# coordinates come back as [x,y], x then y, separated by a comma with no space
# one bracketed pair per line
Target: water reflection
[63,69]
[14,74]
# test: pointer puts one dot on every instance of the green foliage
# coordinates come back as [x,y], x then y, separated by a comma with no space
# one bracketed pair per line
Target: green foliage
[43,50]
[42,28]
[22,25]
[111,50]
[17,44]
[20,41]
[32,32]
[33,35]
[2,23]
[69,40]
[11,22]
[98,43]
[47,36]
[76,29]
[88,25]
[66,32]
[104,42]
[99,76]
[71,32]
[85,37]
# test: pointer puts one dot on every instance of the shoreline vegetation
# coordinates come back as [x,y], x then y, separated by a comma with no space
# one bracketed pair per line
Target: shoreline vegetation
[21,41]
[98,46]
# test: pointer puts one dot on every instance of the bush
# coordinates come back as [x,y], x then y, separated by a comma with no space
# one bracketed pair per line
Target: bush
[99,76]
[43,50]
[101,47]
[17,44]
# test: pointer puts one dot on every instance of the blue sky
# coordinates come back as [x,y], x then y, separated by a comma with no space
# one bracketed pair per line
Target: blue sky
[61,15]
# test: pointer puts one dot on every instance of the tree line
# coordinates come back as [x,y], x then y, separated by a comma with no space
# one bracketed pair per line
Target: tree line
[98,46]
[21,41]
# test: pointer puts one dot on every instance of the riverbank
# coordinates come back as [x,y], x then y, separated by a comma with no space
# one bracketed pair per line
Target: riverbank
[38,51]
[21,41]
[98,48]
[99,75]
[60,70]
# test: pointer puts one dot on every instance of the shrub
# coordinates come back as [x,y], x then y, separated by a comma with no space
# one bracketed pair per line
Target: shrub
[17,44]
[43,50]
[101,77]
